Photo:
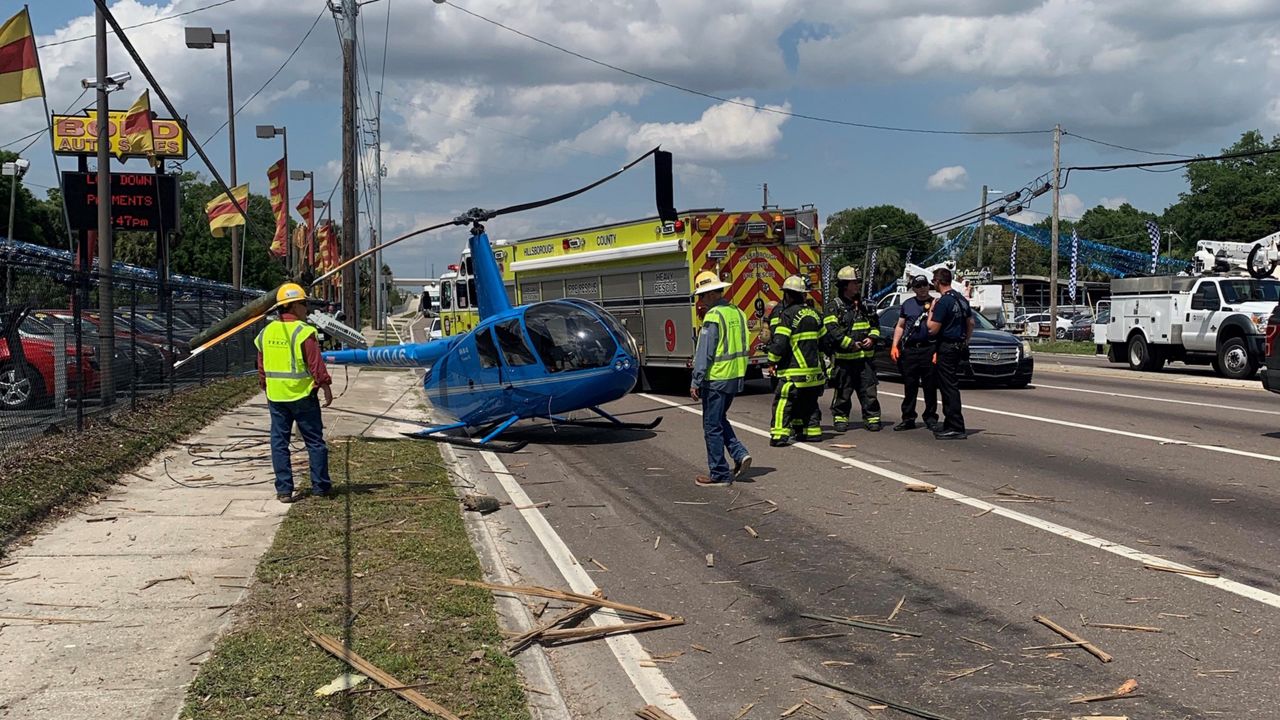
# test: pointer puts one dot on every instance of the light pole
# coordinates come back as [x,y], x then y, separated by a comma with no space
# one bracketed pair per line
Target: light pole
[266,132]
[15,170]
[305,256]
[866,261]
[203,38]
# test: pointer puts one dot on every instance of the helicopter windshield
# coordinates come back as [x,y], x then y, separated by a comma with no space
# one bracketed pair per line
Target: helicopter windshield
[568,337]
[619,332]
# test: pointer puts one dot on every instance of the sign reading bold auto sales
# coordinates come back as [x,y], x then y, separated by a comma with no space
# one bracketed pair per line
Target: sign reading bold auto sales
[78,135]
[139,201]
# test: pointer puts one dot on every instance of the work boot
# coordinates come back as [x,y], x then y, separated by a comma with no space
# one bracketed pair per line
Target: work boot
[905,425]
[932,425]
[950,435]
[782,442]
[740,467]
[840,426]
[874,426]
[290,498]
[706,481]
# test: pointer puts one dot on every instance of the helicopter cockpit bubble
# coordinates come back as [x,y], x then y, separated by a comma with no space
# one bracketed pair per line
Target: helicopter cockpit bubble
[568,337]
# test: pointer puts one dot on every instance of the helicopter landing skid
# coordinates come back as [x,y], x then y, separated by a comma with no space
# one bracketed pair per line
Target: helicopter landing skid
[442,434]
[610,421]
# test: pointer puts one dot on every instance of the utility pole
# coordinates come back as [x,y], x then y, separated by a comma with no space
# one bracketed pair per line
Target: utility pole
[237,255]
[106,252]
[982,226]
[379,292]
[765,205]
[350,218]
[1053,233]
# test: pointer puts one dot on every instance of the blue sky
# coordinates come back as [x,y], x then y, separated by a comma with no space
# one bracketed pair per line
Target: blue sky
[475,115]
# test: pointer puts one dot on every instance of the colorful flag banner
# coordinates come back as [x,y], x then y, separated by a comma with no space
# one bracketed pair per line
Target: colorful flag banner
[136,134]
[307,210]
[1013,267]
[222,212]
[276,178]
[19,66]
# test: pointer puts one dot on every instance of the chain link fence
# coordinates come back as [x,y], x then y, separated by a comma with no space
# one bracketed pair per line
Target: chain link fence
[58,369]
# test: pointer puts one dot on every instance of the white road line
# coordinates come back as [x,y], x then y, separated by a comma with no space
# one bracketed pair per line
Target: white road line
[1113,431]
[1156,399]
[652,685]
[1094,541]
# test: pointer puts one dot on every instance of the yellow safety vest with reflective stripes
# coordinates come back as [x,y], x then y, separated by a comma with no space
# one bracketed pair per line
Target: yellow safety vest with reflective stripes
[730,361]
[280,343]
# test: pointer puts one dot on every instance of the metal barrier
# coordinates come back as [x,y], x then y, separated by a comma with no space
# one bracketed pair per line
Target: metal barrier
[56,367]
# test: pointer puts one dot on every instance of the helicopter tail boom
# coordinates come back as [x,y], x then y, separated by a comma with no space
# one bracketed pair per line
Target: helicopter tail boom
[407,355]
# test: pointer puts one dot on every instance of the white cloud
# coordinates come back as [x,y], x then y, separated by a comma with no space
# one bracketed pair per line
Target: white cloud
[726,132]
[1070,206]
[952,177]
[1112,203]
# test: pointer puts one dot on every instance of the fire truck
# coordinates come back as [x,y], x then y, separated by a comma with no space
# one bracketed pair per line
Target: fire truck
[642,272]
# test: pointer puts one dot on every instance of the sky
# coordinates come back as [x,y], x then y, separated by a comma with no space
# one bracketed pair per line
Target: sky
[477,115]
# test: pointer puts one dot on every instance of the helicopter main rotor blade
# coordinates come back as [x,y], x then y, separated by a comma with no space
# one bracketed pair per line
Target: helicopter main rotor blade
[485,215]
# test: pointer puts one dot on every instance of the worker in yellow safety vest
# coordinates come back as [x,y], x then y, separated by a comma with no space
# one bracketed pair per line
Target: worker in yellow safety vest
[795,351]
[291,370]
[719,372]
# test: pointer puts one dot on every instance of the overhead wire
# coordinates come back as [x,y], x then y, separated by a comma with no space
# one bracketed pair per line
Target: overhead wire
[731,101]
[142,24]
[1122,147]
[1175,164]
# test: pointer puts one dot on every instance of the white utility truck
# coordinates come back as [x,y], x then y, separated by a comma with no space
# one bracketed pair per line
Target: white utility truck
[1217,320]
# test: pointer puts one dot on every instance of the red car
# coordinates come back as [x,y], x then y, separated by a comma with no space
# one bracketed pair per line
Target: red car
[27,385]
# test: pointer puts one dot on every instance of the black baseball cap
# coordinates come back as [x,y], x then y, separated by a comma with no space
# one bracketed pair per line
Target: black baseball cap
[919,281]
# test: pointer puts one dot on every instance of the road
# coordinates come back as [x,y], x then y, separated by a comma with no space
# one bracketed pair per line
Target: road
[1091,477]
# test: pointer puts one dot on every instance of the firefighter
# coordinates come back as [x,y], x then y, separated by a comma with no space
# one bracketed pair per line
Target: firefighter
[853,330]
[775,313]
[795,351]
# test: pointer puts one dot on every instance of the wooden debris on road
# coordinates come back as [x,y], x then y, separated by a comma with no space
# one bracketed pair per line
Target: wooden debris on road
[652,712]
[1120,693]
[1089,647]
[1181,571]
[820,636]
[711,560]
[751,531]
[918,712]
[598,564]
[743,712]
[921,487]
[523,640]
[861,624]
[896,609]
[967,673]
[157,581]
[731,508]
[699,648]
[378,675]
[1117,626]
[979,643]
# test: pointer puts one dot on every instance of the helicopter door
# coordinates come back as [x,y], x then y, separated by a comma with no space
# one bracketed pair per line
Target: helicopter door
[520,365]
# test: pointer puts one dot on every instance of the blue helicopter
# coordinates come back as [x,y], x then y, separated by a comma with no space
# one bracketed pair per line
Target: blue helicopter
[536,361]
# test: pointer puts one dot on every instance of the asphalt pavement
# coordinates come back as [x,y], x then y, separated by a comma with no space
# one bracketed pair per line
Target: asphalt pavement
[1062,495]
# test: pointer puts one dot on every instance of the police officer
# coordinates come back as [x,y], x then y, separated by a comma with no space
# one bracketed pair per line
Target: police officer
[951,323]
[913,351]
[795,350]
[719,370]
[853,329]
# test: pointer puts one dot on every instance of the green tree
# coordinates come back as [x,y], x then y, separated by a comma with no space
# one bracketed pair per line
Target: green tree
[846,230]
[35,220]
[1124,227]
[1236,199]
[198,252]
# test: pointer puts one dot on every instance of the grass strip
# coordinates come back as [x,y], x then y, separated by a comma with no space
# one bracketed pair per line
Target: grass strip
[442,639]
[1065,347]
[55,472]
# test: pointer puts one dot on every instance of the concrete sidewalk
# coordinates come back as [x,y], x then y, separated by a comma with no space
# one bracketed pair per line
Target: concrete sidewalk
[109,613]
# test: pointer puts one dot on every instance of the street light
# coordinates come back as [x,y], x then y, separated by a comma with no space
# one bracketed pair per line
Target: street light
[306,175]
[266,132]
[15,169]
[203,38]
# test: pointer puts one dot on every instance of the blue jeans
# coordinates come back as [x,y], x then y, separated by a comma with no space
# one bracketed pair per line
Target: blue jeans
[305,412]
[719,434]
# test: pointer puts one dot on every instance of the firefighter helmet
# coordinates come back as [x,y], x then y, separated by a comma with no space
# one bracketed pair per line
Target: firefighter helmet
[706,281]
[290,293]
[795,283]
[848,272]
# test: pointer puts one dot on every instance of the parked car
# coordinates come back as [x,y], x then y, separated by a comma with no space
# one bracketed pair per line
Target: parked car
[1081,328]
[1271,368]
[435,330]
[995,356]
[27,377]
[1061,330]
[131,362]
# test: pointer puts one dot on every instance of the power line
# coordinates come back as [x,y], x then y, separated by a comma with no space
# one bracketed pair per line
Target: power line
[42,130]
[752,106]
[386,36]
[1167,163]
[274,75]
[1123,147]
[143,24]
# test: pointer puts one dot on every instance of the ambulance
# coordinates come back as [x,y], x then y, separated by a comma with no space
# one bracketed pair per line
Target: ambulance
[642,272]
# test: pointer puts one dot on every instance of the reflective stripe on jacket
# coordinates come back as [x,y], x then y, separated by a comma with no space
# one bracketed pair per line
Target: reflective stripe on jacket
[795,347]
[847,324]
[283,365]
[730,360]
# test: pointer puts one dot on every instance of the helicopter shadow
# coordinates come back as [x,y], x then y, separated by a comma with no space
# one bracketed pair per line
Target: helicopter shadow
[552,433]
